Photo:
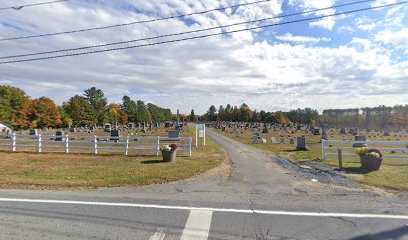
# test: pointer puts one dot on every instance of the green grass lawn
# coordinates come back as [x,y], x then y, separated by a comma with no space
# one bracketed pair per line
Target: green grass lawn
[59,170]
[393,173]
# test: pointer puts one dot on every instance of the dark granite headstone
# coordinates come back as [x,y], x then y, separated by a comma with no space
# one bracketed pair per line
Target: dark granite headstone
[115,135]
[301,144]
[359,138]
[174,134]
[58,136]
[33,132]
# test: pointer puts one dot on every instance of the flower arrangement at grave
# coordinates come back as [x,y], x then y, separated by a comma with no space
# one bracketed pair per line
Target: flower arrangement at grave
[370,158]
[169,152]
[169,148]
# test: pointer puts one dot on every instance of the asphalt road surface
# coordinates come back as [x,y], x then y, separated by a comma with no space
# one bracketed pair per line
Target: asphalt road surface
[250,198]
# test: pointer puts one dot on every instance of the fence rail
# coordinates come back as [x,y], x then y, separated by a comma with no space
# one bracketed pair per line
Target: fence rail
[94,144]
[328,145]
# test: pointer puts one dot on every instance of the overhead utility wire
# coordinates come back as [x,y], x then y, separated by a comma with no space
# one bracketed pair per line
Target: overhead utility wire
[132,23]
[181,33]
[18,7]
[204,36]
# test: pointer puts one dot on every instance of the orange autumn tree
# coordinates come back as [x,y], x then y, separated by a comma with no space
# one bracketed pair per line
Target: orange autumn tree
[45,113]
[117,115]
[14,107]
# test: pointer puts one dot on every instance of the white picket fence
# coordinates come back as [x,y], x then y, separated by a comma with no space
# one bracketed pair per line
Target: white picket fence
[400,147]
[93,144]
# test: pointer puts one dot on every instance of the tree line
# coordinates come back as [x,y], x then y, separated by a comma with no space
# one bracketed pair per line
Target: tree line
[376,118]
[91,108]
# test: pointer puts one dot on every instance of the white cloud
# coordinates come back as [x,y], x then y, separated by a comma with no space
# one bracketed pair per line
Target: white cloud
[288,37]
[307,5]
[367,27]
[195,74]
[382,2]
[346,29]
[366,44]
[399,39]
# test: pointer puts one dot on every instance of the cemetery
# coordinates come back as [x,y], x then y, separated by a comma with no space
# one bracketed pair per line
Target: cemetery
[119,140]
[304,143]
[81,167]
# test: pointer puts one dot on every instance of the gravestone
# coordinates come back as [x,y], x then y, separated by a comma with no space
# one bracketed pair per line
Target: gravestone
[238,134]
[301,144]
[115,135]
[265,130]
[107,127]
[359,138]
[58,136]
[33,132]
[72,130]
[131,125]
[282,140]
[174,134]
[291,140]
[263,141]
[316,131]
[273,140]
[342,131]
[255,140]
[167,124]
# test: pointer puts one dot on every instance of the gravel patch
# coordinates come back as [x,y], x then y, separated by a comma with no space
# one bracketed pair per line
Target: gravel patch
[315,170]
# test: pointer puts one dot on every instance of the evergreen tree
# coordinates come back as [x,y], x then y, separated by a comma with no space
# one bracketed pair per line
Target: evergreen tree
[96,98]
[192,116]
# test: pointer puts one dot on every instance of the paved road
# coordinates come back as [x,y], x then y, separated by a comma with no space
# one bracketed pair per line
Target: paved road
[254,199]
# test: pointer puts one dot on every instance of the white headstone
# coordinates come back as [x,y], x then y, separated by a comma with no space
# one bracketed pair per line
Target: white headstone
[263,141]
[273,140]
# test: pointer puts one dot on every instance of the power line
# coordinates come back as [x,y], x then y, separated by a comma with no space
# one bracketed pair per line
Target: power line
[182,33]
[18,7]
[132,23]
[204,36]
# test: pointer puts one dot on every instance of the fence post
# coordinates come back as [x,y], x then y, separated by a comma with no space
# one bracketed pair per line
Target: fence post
[157,145]
[189,146]
[95,144]
[204,135]
[67,143]
[14,142]
[127,145]
[340,157]
[39,145]
[196,135]
[323,150]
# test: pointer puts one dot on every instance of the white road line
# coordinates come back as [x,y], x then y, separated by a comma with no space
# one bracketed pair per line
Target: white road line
[229,210]
[197,226]
[159,235]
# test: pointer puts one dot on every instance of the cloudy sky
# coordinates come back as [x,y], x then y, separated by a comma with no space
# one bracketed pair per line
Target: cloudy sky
[358,59]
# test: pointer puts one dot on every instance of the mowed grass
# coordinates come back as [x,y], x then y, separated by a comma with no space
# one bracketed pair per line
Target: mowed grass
[59,170]
[392,174]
